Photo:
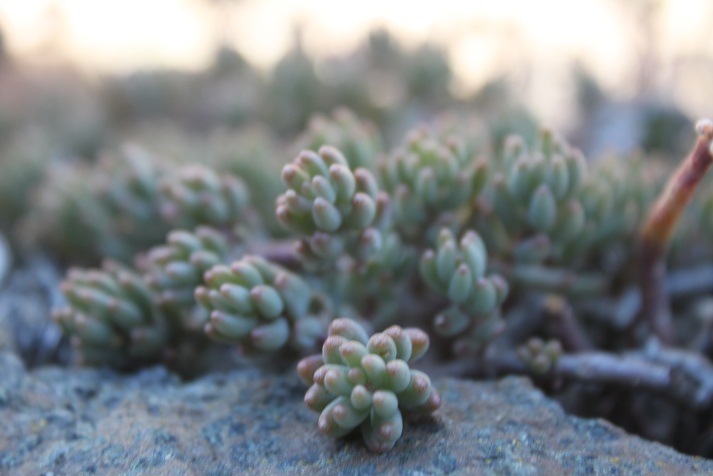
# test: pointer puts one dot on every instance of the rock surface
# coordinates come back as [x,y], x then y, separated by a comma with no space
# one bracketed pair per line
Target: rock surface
[5,258]
[26,300]
[84,421]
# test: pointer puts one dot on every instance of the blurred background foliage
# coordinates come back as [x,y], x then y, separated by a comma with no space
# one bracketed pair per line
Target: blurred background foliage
[242,86]
[622,82]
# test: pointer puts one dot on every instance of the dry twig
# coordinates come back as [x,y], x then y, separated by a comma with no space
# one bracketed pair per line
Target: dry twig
[659,226]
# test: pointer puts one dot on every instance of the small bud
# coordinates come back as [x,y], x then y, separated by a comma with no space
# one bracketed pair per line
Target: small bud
[308,366]
[474,253]
[296,204]
[397,375]
[336,381]
[356,376]
[324,189]
[330,349]
[181,272]
[352,352]
[402,340]
[236,297]
[295,293]
[519,180]
[426,186]
[361,398]
[429,272]
[267,301]
[344,182]
[317,398]
[461,284]
[558,177]
[483,299]
[375,369]
[219,275]
[272,336]
[363,211]
[185,240]
[417,391]
[348,329]
[419,343]
[312,163]
[245,274]
[332,155]
[542,212]
[232,326]
[446,261]
[325,215]
[382,345]
[347,416]
[366,182]
[385,403]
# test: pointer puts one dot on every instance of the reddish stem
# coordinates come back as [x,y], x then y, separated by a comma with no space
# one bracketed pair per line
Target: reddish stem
[660,225]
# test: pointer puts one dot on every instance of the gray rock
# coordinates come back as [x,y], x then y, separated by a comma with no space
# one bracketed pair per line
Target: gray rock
[5,259]
[87,421]
[31,292]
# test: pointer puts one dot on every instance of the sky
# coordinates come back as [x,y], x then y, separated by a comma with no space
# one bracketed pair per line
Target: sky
[484,38]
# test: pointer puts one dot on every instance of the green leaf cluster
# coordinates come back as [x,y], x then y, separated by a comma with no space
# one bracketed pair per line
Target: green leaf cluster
[365,382]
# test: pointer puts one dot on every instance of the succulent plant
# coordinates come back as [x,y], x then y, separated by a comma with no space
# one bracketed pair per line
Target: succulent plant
[125,317]
[458,271]
[533,219]
[540,355]
[22,162]
[254,154]
[536,198]
[334,209]
[382,238]
[466,133]
[87,212]
[173,270]
[112,318]
[358,140]
[615,197]
[260,305]
[198,195]
[429,181]
[366,382]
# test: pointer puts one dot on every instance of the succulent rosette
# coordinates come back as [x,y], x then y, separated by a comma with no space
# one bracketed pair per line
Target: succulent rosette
[366,382]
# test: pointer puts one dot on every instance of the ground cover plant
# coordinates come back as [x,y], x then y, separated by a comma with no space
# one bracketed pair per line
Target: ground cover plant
[335,243]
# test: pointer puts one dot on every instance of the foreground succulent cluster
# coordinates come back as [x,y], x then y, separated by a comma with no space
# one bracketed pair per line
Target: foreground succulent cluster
[366,382]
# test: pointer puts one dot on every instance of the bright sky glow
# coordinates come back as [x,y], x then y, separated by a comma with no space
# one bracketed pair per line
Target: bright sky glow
[484,37]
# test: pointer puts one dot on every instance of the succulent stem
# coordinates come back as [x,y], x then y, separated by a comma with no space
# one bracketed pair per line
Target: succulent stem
[679,376]
[659,226]
[563,324]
